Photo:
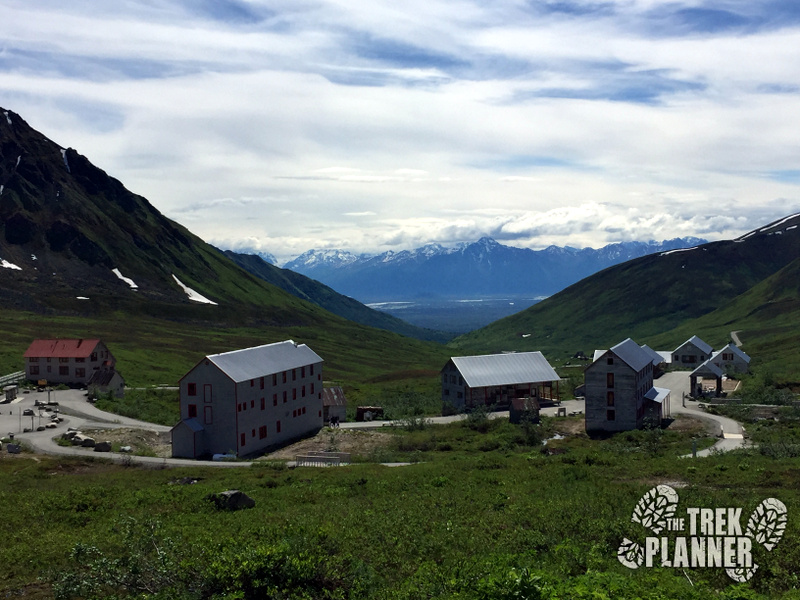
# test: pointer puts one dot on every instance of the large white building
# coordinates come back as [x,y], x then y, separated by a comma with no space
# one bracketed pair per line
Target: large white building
[245,401]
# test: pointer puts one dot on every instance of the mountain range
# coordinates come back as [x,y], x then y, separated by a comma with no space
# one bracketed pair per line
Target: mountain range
[484,268]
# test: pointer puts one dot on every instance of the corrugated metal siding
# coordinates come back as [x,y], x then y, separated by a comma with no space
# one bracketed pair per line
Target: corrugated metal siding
[505,369]
[251,363]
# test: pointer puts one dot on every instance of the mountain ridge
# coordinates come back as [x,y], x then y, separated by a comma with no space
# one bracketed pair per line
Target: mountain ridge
[480,268]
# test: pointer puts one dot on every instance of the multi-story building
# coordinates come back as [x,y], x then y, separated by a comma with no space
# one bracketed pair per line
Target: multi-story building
[69,361]
[246,401]
[619,390]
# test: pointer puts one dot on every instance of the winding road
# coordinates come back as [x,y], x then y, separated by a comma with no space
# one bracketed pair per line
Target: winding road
[80,414]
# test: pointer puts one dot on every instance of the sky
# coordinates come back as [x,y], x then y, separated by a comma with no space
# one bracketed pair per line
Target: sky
[286,125]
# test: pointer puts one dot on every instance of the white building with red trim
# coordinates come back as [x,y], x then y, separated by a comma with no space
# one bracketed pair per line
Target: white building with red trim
[68,361]
[246,401]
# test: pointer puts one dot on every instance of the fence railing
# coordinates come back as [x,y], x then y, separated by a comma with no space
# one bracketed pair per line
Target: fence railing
[316,458]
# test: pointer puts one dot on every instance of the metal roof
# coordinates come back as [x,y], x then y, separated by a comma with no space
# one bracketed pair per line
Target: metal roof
[504,369]
[61,348]
[333,396]
[708,368]
[250,363]
[655,356]
[657,394]
[735,350]
[632,354]
[701,345]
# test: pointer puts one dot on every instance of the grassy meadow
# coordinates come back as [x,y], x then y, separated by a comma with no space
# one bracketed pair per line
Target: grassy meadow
[484,511]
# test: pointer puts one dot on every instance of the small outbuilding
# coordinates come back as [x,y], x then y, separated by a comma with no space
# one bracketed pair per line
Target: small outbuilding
[523,409]
[106,380]
[334,404]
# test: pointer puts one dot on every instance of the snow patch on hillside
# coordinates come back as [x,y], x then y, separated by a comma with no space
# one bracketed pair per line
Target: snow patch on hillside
[7,265]
[127,280]
[193,295]
[8,119]
[677,250]
[64,156]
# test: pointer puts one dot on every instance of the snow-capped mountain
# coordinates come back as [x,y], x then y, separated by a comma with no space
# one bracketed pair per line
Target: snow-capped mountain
[478,269]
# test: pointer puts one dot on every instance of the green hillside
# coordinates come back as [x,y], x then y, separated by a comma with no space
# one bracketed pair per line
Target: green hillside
[65,226]
[329,299]
[748,284]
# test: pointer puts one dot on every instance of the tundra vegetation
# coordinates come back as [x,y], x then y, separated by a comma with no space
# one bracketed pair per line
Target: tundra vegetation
[486,511]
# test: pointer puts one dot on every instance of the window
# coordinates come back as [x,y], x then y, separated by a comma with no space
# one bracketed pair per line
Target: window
[302,371]
[610,415]
[193,411]
[63,370]
[33,359]
[610,360]
[284,396]
[303,391]
[252,383]
[274,399]
[242,439]
[609,380]
[93,357]
[294,394]
[262,432]
[208,416]
[252,403]
[80,360]
[63,360]
[610,399]
[80,372]
[312,389]
[263,404]
[244,405]
[278,426]
[294,413]
[304,410]
[35,370]
[239,407]
[312,369]
[294,374]
[253,433]
[274,379]
[191,389]
[284,377]
[262,383]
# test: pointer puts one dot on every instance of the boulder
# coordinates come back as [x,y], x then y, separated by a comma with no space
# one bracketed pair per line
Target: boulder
[102,447]
[231,500]
[88,442]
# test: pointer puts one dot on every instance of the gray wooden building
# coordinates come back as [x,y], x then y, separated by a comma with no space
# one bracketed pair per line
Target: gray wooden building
[496,379]
[245,401]
[619,390]
[691,353]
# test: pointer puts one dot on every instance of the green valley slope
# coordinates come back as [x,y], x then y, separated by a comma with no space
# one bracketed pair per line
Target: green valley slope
[745,284]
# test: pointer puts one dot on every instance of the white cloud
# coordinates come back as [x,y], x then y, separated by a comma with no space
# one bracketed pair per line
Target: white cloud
[309,124]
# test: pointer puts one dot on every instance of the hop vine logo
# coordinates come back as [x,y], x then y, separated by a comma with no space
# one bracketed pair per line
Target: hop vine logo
[705,537]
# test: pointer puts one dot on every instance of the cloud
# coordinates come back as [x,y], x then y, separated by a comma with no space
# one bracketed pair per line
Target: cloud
[310,124]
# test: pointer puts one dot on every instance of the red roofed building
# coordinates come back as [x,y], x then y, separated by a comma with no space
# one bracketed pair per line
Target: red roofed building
[67,361]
